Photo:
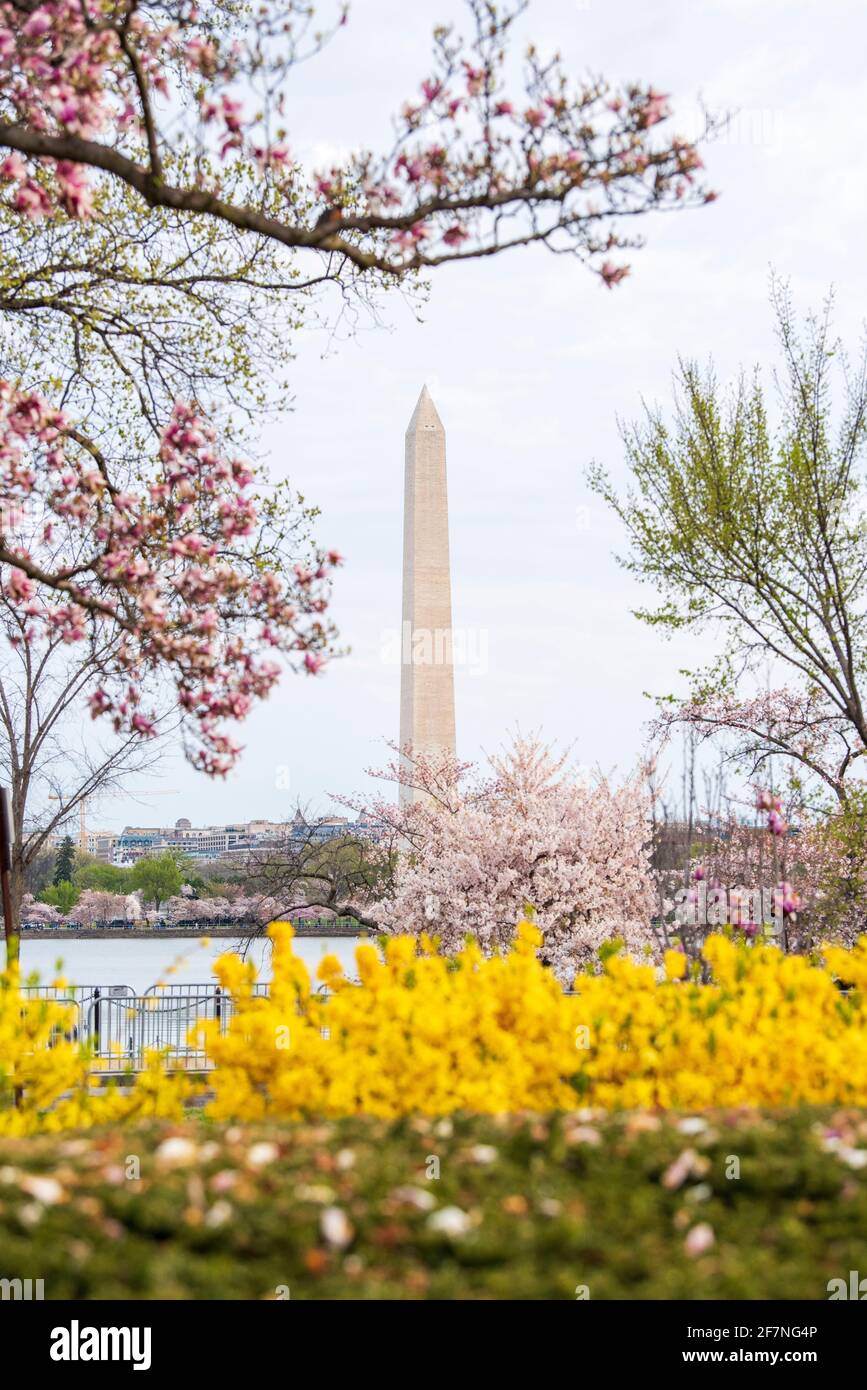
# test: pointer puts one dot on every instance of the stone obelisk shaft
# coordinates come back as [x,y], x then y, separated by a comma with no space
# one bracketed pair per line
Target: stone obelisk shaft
[427,687]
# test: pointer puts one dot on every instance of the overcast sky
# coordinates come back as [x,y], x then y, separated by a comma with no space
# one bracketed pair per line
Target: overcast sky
[531,361]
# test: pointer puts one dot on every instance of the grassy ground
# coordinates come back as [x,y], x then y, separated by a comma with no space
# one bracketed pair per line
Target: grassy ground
[523,1207]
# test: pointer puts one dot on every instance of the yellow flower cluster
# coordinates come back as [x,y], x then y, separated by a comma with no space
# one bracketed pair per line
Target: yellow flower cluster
[421,1032]
[771,1029]
[425,1033]
[45,1076]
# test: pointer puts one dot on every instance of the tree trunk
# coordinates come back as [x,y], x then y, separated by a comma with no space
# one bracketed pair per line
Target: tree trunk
[12,892]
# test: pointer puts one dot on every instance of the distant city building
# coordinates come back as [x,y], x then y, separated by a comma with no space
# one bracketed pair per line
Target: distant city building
[220,842]
[100,843]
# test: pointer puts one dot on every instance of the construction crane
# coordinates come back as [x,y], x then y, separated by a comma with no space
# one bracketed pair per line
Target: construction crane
[82,813]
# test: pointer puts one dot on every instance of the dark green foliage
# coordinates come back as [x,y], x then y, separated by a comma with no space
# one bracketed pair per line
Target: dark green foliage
[64,862]
[551,1203]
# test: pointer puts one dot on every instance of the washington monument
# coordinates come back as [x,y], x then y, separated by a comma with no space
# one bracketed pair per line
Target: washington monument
[427,681]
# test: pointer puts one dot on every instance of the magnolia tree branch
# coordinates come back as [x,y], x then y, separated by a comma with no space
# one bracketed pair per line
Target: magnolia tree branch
[205,596]
[472,169]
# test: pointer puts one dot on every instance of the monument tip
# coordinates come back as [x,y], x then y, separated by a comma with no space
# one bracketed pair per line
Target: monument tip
[425,415]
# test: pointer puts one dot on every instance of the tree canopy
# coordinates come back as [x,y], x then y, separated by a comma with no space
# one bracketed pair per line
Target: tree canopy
[757,530]
[159,878]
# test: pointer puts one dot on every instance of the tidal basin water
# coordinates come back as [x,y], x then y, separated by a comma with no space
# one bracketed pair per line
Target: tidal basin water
[143,963]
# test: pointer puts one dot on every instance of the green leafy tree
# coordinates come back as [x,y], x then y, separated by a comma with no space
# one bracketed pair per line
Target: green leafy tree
[757,531]
[158,879]
[64,862]
[63,895]
[105,878]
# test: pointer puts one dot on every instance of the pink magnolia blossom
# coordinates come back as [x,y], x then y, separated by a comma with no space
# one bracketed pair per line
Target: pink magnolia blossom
[654,108]
[176,584]
[613,274]
[111,73]
[75,193]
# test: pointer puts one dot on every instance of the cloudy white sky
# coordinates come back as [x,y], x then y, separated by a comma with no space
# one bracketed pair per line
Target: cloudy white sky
[531,361]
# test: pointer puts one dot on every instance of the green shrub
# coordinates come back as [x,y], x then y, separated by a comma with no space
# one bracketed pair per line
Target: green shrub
[523,1208]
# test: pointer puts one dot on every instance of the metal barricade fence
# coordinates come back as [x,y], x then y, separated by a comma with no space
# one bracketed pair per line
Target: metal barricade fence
[124,1030]
[122,1027]
[197,989]
[81,994]
[70,1029]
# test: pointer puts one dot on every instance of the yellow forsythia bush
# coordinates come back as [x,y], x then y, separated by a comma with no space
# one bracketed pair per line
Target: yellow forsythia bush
[45,1082]
[772,1029]
[420,1032]
[430,1034]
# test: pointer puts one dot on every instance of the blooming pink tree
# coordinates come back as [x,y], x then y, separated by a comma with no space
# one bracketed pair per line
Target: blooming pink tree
[162,97]
[475,855]
[264,909]
[95,908]
[133,909]
[186,909]
[829,872]
[807,866]
[245,910]
[193,570]
[38,912]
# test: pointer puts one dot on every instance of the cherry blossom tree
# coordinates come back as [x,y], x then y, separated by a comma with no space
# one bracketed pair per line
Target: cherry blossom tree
[39,913]
[245,910]
[477,854]
[95,908]
[133,909]
[179,908]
